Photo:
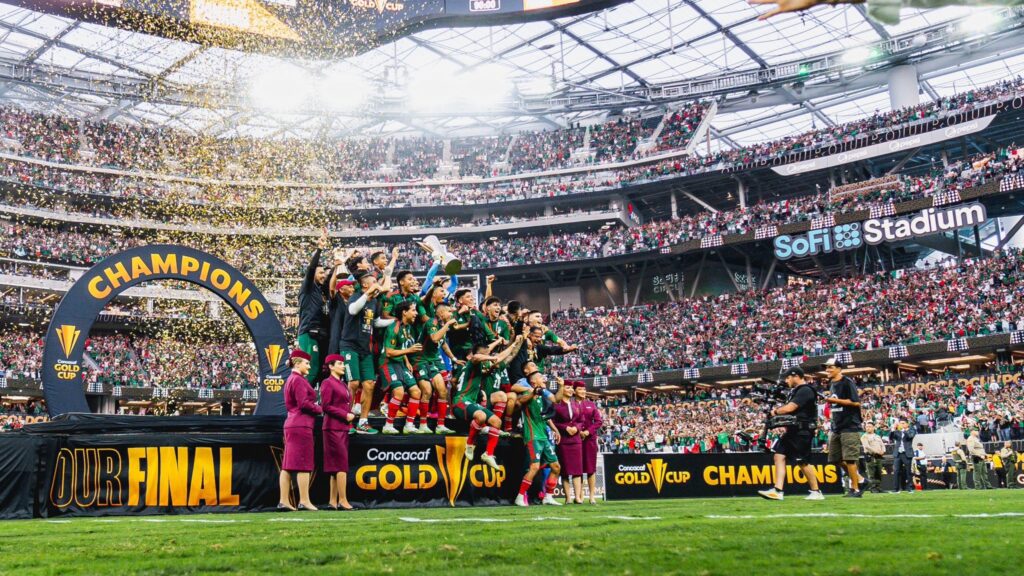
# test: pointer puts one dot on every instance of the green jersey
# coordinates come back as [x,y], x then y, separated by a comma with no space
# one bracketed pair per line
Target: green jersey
[431,349]
[398,336]
[550,336]
[477,377]
[461,341]
[498,329]
[396,298]
[534,424]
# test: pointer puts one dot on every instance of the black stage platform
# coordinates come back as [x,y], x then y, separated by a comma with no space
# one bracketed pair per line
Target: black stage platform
[105,465]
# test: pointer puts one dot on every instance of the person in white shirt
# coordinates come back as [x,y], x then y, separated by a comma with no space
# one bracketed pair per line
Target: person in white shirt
[921,466]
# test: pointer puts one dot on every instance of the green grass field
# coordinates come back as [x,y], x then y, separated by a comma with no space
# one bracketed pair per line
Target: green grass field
[964,533]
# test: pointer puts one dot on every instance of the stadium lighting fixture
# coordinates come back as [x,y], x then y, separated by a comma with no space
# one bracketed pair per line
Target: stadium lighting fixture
[342,90]
[282,88]
[857,55]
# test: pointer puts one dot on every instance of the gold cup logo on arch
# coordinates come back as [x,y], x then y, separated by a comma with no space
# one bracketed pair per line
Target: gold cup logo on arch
[421,470]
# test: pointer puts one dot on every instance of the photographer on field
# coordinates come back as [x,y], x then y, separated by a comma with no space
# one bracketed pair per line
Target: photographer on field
[795,443]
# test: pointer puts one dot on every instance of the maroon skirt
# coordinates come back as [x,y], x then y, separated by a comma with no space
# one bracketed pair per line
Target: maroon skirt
[590,455]
[298,450]
[570,457]
[335,451]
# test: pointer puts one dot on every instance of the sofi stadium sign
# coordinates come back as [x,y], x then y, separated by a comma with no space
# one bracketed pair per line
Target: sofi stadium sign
[878,230]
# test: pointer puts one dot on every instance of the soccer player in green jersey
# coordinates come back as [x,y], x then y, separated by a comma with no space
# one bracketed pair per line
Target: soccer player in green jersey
[474,382]
[430,368]
[533,394]
[400,346]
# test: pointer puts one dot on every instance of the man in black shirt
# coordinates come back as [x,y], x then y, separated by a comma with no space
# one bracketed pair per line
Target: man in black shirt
[313,323]
[795,443]
[844,441]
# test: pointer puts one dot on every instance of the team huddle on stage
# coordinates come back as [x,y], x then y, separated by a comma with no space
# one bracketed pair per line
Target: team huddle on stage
[435,355]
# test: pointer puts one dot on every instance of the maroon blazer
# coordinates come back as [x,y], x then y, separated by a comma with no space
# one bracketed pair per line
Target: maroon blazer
[563,420]
[590,418]
[300,401]
[336,402]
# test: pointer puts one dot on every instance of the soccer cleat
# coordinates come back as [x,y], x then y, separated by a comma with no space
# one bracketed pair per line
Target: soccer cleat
[852,494]
[410,429]
[550,501]
[470,449]
[770,494]
[424,429]
[521,501]
[816,495]
[490,461]
[389,429]
[364,429]
[442,429]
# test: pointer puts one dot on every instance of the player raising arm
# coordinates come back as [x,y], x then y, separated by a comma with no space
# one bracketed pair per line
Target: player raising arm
[533,394]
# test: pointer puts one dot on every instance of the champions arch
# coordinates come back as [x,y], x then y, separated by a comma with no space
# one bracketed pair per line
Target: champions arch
[65,339]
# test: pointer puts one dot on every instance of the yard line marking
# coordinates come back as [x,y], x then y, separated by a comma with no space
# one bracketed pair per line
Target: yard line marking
[58,521]
[859,515]
[436,520]
[634,517]
[211,521]
[543,518]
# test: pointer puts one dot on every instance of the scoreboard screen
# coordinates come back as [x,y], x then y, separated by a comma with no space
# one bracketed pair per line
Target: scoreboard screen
[309,28]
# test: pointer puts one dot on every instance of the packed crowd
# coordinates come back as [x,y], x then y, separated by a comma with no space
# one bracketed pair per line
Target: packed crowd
[139,361]
[67,244]
[727,421]
[69,140]
[903,307]
[411,159]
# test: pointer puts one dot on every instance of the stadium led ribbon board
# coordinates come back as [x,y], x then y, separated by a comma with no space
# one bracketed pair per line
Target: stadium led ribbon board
[63,354]
[313,28]
[878,230]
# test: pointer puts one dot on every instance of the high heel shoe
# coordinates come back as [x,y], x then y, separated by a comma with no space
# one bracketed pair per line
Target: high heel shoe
[304,507]
[284,508]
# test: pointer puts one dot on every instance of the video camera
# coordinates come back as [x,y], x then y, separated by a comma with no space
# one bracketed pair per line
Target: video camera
[769,392]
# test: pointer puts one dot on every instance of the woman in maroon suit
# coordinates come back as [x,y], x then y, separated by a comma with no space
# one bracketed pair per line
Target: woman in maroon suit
[570,449]
[590,425]
[336,402]
[300,400]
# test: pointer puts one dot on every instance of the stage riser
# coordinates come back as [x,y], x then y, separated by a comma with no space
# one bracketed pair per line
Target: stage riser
[148,473]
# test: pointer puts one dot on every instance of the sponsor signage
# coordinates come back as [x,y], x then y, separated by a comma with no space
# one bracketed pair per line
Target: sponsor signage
[74,316]
[159,474]
[635,476]
[878,230]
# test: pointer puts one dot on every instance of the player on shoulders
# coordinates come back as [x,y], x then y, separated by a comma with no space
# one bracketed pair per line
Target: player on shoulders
[475,379]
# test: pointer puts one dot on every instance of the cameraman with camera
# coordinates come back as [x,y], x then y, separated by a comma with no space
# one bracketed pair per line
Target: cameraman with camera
[795,443]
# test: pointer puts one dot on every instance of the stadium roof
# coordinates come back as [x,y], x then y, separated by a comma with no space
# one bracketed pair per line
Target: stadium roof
[637,44]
